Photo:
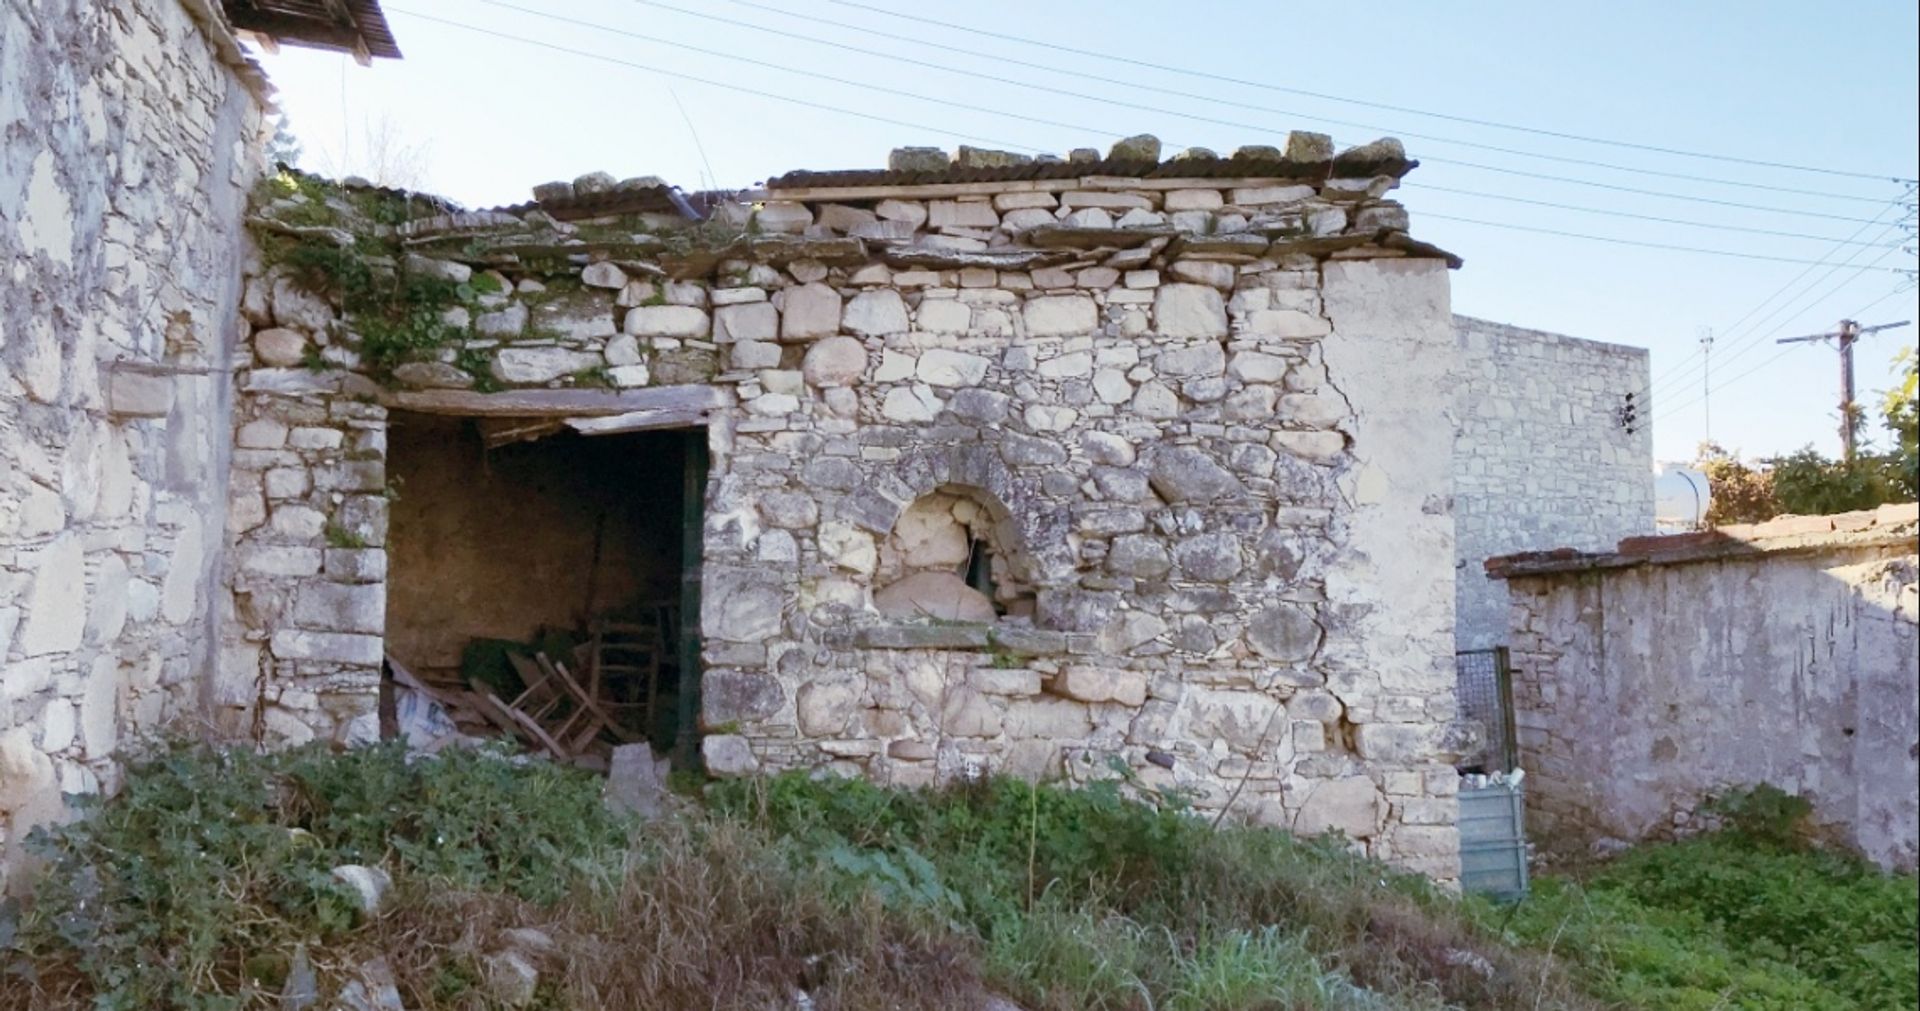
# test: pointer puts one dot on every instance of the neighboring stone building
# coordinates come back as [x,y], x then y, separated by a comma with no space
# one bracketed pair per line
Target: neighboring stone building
[996,465]
[1555,449]
[132,140]
[1653,676]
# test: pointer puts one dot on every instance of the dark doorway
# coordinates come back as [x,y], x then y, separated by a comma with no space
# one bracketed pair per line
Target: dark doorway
[522,553]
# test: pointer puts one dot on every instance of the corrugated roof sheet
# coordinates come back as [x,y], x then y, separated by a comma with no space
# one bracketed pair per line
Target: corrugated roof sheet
[318,23]
[1234,167]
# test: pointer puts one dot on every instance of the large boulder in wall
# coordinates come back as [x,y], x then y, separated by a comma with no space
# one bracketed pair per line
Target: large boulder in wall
[938,595]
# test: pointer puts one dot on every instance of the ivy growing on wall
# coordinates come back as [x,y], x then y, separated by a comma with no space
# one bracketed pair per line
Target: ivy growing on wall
[339,243]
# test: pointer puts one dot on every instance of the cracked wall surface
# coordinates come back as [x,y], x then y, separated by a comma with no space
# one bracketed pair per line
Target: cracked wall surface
[1197,425]
[1786,653]
[129,146]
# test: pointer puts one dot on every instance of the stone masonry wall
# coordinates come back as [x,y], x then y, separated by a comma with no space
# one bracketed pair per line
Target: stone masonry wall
[130,142]
[1647,683]
[1194,422]
[1543,458]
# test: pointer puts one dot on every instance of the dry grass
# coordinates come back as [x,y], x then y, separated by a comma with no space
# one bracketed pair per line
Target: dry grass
[860,897]
[701,916]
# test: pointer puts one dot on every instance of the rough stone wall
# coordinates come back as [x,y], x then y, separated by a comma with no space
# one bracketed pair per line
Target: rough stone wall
[1197,426]
[1542,459]
[130,144]
[1643,689]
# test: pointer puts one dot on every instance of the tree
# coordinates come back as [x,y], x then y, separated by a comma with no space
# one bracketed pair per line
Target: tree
[1808,484]
[283,148]
[1902,418]
[1740,493]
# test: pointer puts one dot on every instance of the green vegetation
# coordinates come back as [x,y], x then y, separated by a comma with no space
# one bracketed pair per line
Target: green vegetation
[399,314]
[1751,917]
[342,537]
[1808,483]
[197,885]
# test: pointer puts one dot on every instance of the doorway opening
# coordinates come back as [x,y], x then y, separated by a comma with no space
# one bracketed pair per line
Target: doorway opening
[546,581]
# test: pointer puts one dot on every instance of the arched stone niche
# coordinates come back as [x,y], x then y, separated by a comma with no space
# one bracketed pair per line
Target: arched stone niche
[953,554]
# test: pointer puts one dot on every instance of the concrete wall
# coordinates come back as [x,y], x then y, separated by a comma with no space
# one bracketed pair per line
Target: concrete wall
[1542,459]
[1200,422]
[129,148]
[1643,688]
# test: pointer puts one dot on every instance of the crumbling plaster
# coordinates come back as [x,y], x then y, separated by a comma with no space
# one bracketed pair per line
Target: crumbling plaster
[130,144]
[1646,684]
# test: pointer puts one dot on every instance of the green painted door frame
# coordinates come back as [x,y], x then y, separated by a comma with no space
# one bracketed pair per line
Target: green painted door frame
[686,748]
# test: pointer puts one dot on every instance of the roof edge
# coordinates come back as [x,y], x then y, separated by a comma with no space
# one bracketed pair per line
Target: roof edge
[1890,525]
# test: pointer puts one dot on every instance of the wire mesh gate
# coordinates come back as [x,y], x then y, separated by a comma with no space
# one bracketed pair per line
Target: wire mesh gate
[1493,841]
[1484,684]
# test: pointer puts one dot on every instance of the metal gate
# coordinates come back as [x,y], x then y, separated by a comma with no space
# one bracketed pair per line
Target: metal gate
[1493,841]
[1484,685]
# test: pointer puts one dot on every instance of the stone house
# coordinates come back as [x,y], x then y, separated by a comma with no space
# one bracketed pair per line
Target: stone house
[1104,465]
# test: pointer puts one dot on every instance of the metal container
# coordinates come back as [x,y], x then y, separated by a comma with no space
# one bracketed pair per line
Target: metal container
[1493,842]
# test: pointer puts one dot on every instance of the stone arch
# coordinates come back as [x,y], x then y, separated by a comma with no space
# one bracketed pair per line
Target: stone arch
[1032,531]
[957,550]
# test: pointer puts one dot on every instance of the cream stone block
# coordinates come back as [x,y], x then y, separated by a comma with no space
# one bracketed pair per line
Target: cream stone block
[809,311]
[944,315]
[1060,315]
[1189,310]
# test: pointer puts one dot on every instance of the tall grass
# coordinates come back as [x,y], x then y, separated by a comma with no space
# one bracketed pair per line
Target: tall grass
[205,883]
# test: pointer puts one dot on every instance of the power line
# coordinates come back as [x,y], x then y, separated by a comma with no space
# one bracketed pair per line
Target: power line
[1748,341]
[1210,99]
[1731,329]
[1829,293]
[1338,98]
[572,51]
[1632,242]
[720,54]
[897,122]
[1430,188]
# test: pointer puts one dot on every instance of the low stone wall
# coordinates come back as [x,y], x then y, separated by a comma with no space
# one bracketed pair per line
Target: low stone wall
[131,145]
[1194,421]
[1555,449]
[1648,679]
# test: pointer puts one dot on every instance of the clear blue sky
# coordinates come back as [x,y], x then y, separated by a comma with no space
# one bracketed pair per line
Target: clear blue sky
[1830,86]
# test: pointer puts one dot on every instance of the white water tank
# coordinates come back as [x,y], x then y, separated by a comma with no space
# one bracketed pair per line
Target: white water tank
[1680,497]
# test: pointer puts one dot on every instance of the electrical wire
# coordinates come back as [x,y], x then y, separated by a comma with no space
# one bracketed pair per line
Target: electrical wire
[1223,79]
[1429,215]
[728,85]
[962,105]
[1430,188]
[1731,334]
[1712,389]
[1213,100]
[1107,132]
[1731,329]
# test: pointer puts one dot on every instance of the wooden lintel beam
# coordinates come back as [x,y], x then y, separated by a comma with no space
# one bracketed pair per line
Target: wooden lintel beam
[640,421]
[573,403]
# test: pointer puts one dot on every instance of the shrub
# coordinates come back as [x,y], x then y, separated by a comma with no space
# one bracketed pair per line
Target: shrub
[1753,916]
[193,886]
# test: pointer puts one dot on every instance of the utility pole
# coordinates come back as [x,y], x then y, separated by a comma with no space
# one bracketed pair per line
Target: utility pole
[1706,378]
[1848,333]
